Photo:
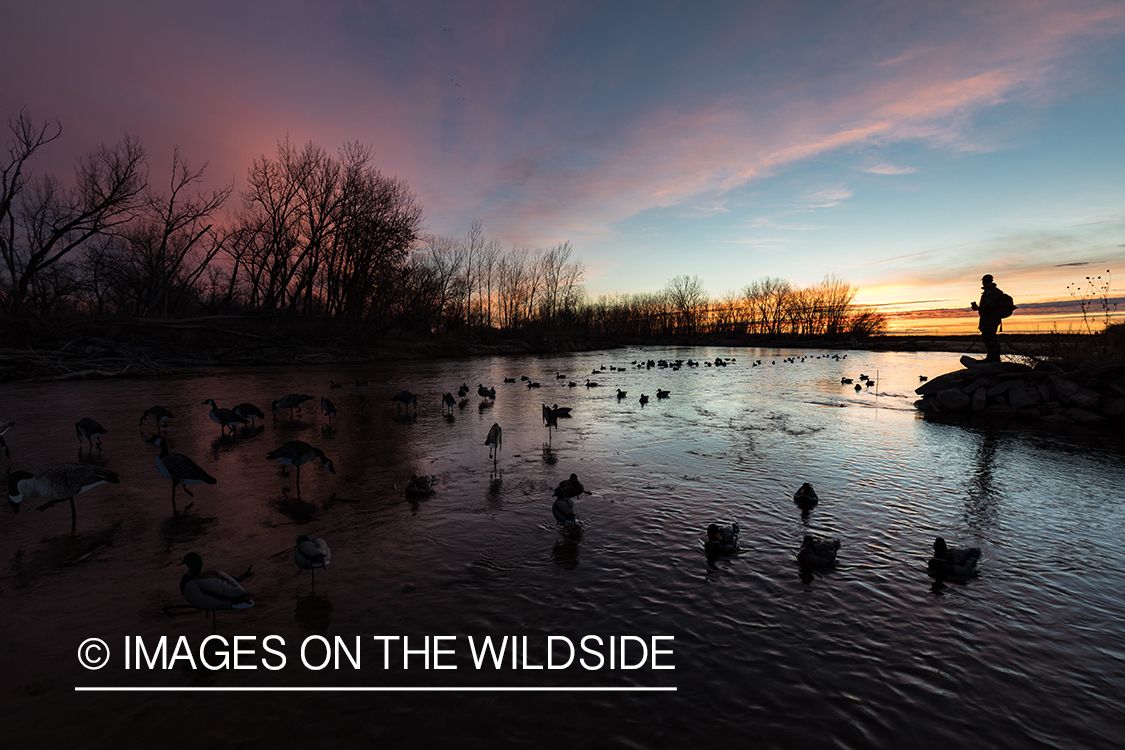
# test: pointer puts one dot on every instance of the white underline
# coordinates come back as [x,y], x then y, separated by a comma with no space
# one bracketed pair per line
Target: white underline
[404,689]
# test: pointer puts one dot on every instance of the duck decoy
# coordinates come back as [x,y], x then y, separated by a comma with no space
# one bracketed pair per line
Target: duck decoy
[564,509]
[298,453]
[845,381]
[805,497]
[211,590]
[290,402]
[953,563]
[56,484]
[922,378]
[662,394]
[722,539]
[405,398]
[644,399]
[89,430]
[225,418]
[249,412]
[532,384]
[420,486]
[310,554]
[817,553]
[179,469]
[571,487]
[571,384]
[858,387]
[509,380]
[158,414]
[621,394]
[486,392]
[590,384]
[493,441]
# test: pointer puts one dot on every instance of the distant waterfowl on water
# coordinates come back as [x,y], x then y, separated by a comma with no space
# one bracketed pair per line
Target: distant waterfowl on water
[590,384]
[334,384]
[722,539]
[643,399]
[179,469]
[211,590]
[662,394]
[420,486]
[89,430]
[817,553]
[55,484]
[225,418]
[845,381]
[621,394]
[249,412]
[953,563]
[158,414]
[310,554]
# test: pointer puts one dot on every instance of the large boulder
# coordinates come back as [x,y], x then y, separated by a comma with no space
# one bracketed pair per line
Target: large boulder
[953,399]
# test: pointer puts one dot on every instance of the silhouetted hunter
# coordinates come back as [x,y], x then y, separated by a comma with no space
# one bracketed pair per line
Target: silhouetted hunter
[991,300]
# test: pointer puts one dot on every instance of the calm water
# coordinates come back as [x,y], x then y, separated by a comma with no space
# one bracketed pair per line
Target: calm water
[871,654]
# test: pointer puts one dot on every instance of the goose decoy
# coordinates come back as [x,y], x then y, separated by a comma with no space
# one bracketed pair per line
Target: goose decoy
[721,539]
[845,381]
[225,418]
[922,378]
[590,384]
[662,394]
[310,554]
[621,394]
[858,387]
[298,453]
[485,392]
[953,563]
[249,412]
[805,497]
[509,380]
[493,441]
[328,408]
[561,411]
[448,400]
[572,487]
[564,510]
[290,402]
[179,469]
[817,553]
[549,418]
[5,425]
[420,486]
[157,413]
[571,384]
[405,398]
[463,390]
[89,430]
[559,376]
[644,399]
[532,384]
[211,590]
[55,484]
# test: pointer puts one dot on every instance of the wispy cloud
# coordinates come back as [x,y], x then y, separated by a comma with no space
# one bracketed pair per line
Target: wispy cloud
[889,169]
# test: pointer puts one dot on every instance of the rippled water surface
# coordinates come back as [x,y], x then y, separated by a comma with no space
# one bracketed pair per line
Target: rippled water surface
[871,654]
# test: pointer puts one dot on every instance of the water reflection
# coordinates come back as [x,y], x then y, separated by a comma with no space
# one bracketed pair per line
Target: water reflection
[184,528]
[313,613]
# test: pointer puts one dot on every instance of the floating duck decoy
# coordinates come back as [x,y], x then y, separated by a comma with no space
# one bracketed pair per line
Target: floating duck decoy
[858,387]
[571,384]
[486,392]
[590,384]
[225,418]
[805,497]
[662,394]
[922,378]
[953,563]
[532,384]
[89,430]
[405,398]
[158,414]
[644,399]
[249,412]
[564,510]
[493,441]
[509,380]
[817,553]
[211,590]
[56,484]
[290,402]
[310,554]
[298,453]
[179,469]
[572,487]
[420,486]
[845,381]
[722,539]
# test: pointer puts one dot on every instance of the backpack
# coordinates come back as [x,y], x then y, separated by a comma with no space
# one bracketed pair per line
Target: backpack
[1005,306]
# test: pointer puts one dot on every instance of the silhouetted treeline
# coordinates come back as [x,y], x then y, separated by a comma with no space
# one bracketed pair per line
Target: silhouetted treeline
[328,236]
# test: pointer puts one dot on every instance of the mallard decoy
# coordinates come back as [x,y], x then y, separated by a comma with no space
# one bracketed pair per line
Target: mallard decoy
[817,553]
[805,497]
[953,563]
[89,430]
[564,510]
[179,469]
[722,539]
[420,486]
[572,487]
[643,399]
[621,394]
[211,590]
[56,483]
[310,554]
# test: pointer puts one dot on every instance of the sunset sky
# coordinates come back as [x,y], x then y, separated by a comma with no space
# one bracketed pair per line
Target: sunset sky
[907,147]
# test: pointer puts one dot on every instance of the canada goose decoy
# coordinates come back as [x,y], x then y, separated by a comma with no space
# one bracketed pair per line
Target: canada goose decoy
[953,563]
[55,484]
[845,381]
[564,509]
[644,399]
[179,469]
[817,553]
[485,392]
[290,402]
[328,408]
[662,394]
[298,453]
[89,430]
[722,539]
[448,400]
[5,425]
[158,414]
[310,554]
[590,384]
[211,590]
[549,419]
[493,441]
[561,411]
[225,418]
[621,394]
[420,486]
[249,412]
[560,376]
[405,398]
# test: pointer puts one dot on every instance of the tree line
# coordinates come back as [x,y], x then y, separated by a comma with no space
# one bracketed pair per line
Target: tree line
[327,235]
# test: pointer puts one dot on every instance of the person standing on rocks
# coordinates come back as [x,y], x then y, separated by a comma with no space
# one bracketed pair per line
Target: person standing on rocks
[989,311]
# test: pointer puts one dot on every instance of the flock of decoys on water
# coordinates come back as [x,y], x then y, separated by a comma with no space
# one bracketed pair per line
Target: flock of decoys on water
[213,590]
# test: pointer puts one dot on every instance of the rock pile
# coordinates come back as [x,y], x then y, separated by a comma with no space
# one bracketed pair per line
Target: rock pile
[1090,394]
